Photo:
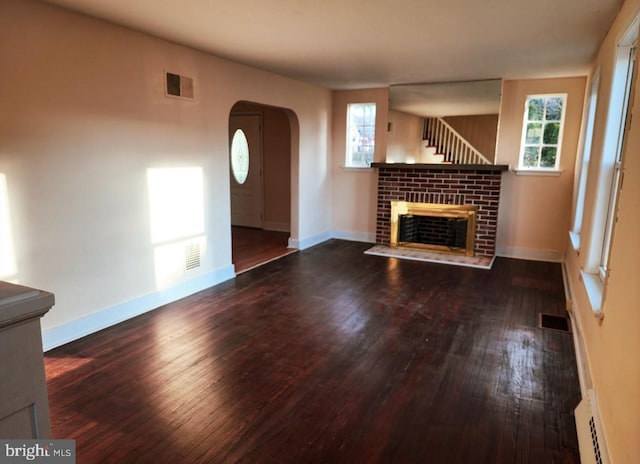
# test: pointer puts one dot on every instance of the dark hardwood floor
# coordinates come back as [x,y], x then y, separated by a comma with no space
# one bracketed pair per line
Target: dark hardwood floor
[329,355]
[253,247]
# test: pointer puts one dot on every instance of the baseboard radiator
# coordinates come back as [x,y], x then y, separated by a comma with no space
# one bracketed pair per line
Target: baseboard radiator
[593,449]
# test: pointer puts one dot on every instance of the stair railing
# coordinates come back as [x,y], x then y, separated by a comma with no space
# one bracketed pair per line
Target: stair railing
[450,143]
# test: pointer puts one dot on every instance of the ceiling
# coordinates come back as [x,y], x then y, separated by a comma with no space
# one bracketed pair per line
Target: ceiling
[349,44]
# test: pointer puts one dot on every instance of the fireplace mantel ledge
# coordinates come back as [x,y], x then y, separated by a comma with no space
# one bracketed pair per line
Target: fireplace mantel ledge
[444,166]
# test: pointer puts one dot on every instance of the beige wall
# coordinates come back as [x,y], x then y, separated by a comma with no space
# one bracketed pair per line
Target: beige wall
[612,346]
[276,154]
[404,140]
[479,130]
[84,117]
[354,196]
[535,210]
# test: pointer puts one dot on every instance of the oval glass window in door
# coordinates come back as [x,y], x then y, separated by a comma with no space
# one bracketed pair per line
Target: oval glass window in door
[239,156]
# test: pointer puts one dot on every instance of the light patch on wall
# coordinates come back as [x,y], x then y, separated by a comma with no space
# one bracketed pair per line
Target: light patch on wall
[176,211]
[176,203]
[8,267]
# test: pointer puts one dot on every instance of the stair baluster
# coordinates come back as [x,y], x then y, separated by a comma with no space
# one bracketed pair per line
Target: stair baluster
[450,144]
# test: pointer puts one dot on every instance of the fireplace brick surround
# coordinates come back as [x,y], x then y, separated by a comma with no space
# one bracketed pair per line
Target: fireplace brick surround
[477,185]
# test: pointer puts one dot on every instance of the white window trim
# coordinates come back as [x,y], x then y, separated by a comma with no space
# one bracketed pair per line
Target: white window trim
[357,168]
[549,172]
[540,170]
[587,146]
[594,282]
[595,289]
[347,159]
[612,141]
[574,238]
[616,180]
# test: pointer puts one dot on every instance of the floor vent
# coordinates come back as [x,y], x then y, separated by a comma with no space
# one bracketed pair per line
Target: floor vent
[553,322]
[590,434]
[191,256]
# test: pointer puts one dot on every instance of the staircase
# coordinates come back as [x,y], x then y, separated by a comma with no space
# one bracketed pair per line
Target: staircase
[449,144]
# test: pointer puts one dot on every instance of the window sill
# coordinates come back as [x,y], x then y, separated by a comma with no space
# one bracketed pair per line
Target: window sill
[594,288]
[537,172]
[574,237]
[357,168]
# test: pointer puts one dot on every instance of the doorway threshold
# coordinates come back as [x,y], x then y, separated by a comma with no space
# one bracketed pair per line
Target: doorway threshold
[262,263]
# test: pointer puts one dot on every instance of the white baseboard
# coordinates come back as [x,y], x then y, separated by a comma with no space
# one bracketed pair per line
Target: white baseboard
[584,375]
[78,328]
[366,237]
[276,226]
[309,241]
[554,256]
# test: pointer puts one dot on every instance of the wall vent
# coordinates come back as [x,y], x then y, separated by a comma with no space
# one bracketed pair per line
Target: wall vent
[590,433]
[177,85]
[191,256]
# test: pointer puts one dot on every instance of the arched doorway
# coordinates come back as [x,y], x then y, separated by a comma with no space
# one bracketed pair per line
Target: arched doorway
[260,150]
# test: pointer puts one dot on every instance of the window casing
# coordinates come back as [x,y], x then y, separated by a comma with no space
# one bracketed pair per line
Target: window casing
[616,181]
[586,155]
[542,128]
[361,134]
[595,267]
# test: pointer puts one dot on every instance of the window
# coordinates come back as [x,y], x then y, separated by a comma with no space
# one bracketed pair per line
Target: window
[542,132]
[240,156]
[586,156]
[595,270]
[616,180]
[361,134]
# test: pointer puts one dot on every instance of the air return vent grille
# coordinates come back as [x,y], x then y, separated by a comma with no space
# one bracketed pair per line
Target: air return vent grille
[594,441]
[554,322]
[191,256]
[590,433]
[177,85]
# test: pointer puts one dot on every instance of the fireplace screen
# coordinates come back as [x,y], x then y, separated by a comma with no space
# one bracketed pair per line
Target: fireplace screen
[433,227]
[433,230]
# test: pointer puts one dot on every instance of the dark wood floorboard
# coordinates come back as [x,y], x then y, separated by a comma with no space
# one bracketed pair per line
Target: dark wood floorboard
[253,247]
[329,355]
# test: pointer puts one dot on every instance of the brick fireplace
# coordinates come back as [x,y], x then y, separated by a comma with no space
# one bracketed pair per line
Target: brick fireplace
[447,184]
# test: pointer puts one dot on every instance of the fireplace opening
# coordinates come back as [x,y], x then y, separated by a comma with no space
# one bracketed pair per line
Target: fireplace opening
[433,230]
[433,227]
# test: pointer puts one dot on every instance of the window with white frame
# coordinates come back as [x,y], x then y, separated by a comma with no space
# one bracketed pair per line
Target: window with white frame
[361,134]
[586,156]
[542,132]
[616,180]
[595,269]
